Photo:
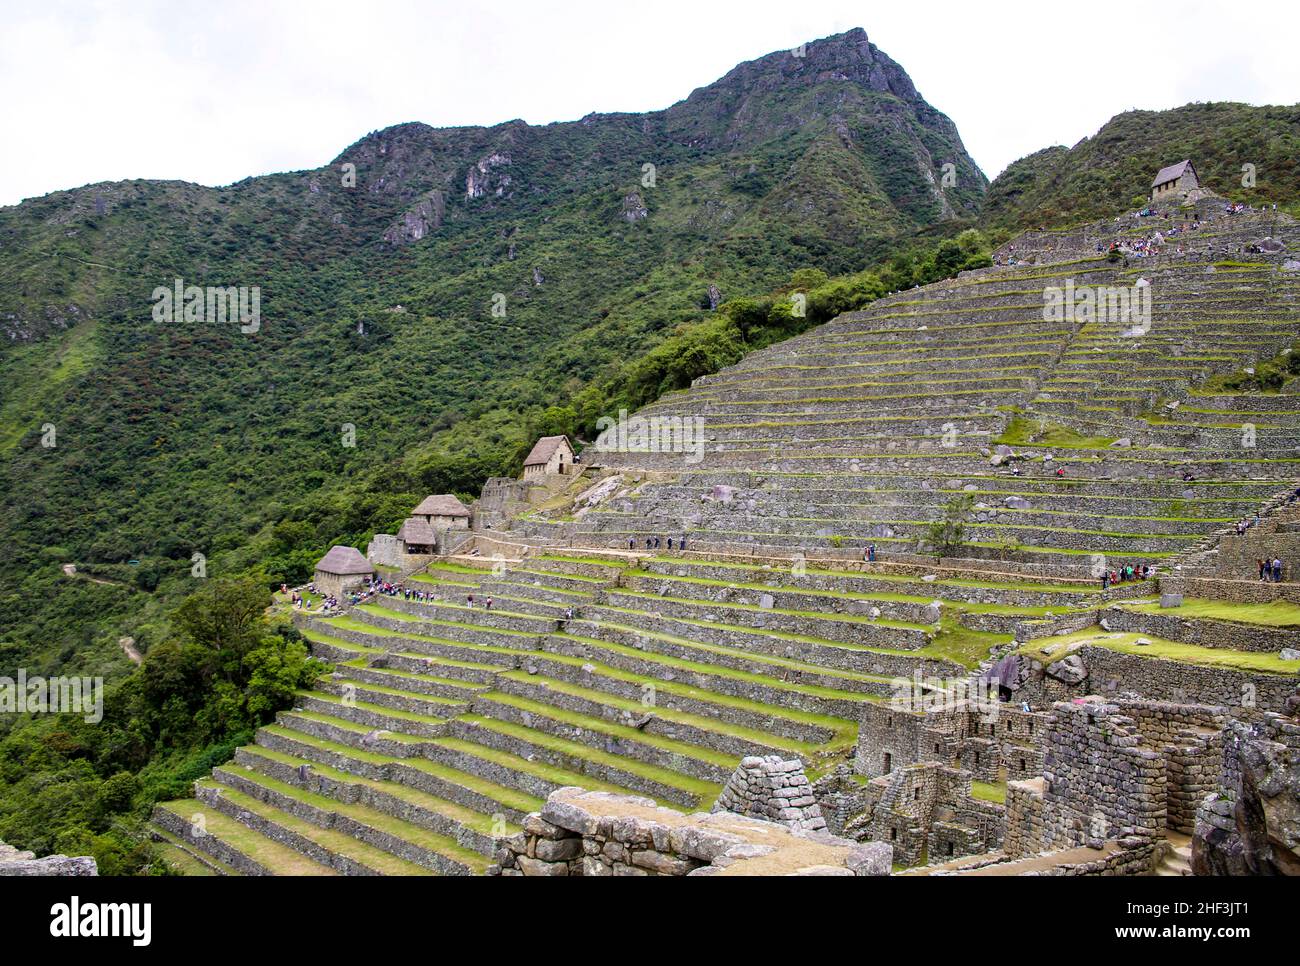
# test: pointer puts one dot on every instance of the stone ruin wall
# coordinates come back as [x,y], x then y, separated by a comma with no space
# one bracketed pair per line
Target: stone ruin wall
[1099,778]
[772,788]
[1112,672]
[581,833]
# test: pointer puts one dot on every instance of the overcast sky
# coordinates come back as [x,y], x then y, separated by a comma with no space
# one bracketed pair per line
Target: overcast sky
[215,92]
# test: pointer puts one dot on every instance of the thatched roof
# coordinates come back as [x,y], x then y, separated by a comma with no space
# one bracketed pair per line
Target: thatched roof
[1172,173]
[441,505]
[418,531]
[545,448]
[344,562]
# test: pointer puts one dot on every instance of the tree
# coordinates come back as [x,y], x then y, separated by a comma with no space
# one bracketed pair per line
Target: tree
[225,616]
[945,535]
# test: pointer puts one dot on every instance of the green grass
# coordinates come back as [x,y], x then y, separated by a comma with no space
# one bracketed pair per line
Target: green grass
[1278,613]
[1022,431]
[988,792]
[1250,662]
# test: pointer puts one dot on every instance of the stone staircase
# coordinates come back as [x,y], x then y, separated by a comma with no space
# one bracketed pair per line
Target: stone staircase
[1177,860]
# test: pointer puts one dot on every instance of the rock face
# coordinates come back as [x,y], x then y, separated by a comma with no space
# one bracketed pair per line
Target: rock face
[14,862]
[1070,670]
[773,789]
[1252,826]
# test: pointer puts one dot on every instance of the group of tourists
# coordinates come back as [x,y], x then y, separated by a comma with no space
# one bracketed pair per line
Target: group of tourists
[655,543]
[1271,570]
[1245,523]
[487,601]
[1126,574]
[389,589]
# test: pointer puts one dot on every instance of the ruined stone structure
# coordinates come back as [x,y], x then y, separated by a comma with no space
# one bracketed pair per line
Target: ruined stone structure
[771,788]
[598,834]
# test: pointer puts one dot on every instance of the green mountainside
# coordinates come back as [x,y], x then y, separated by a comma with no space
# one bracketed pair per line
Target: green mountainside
[431,301]
[1111,171]
[377,312]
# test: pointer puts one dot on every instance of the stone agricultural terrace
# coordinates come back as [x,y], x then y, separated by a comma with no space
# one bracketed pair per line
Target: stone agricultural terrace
[938,710]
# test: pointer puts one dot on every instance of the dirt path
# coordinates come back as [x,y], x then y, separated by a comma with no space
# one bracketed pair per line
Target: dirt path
[128,648]
[70,570]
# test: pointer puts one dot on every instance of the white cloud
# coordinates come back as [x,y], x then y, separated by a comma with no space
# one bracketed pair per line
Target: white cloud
[213,93]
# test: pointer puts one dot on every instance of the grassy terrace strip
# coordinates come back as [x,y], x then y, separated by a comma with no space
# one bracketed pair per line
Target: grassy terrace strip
[1124,643]
[485,824]
[741,629]
[755,609]
[839,726]
[776,662]
[397,615]
[844,731]
[605,727]
[335,842]
[704,791]
[550,773]
[362,814]
[181,857]
[269,854]
[1074,588]
[714,670]
[1278,613]
[509,797]
[833,595]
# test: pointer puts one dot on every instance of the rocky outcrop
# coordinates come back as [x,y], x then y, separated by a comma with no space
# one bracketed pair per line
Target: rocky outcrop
[1252,825]
[15,862]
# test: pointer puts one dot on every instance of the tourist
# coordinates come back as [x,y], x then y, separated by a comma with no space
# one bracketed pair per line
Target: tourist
[487,605]
[871,552]
[1105,580]
[471,601]
[681,544]
[1263,569]
[1277,570]
[670,543]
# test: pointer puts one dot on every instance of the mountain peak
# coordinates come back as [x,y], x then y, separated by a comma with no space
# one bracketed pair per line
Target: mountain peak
[847,56]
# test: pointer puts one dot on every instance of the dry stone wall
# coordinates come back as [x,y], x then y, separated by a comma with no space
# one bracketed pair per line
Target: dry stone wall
[584,833]
[774,789]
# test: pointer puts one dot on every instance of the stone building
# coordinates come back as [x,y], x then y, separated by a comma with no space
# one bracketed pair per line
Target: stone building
[919,766]
[418,537]
[986,740]
[342,570]
[442,511]
[1114,768]
[550,455]
[1176,183]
